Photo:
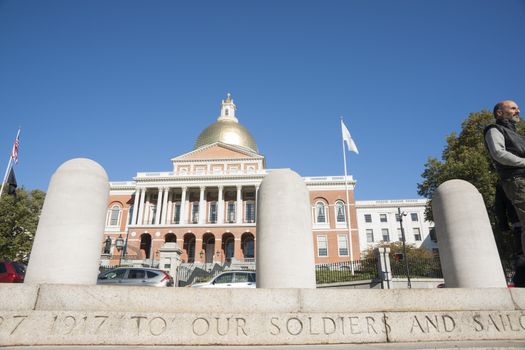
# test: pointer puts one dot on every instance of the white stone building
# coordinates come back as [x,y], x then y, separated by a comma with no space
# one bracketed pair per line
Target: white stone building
[377,221]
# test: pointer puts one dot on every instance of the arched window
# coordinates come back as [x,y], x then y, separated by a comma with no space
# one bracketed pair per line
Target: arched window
[340,213]
[320,213]
[114,216]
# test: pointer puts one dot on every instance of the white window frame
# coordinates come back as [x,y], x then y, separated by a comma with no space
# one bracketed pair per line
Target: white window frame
[246,219]
[383,215]
[342,244]
[175,204]
[234,211]
[326,222]
[340,224]
[322,239]
[383,235]
[195,213]
[371,231]
[365,216]
[109,217]
[210,204]
[418,230]
[414,216]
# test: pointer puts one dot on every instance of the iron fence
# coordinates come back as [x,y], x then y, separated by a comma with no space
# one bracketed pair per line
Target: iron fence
[417,267]
[365,269]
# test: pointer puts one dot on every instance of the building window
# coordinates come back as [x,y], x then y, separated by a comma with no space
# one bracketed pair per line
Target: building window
[213,213]
[320,213]
[414,217]
[152,213]
[432,233]
[369,235]
[114,216]
[417,234]
[386,236]
[195,212]
[342,244]
[230,213]
[340,212]
[176,213]
[249,211]
[382,217]
[368,217]
[130,214]
[322,246]
[398,217]
[399,235]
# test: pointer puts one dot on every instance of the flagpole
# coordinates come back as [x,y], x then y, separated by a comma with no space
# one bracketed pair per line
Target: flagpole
[347,206]
[9,164]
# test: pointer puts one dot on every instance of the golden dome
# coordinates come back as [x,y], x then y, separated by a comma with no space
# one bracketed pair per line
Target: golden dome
[227,130]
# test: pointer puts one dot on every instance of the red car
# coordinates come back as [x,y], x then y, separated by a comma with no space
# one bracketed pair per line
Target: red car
[12,272]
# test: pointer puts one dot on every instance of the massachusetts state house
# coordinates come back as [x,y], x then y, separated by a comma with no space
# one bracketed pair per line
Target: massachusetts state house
[206,203]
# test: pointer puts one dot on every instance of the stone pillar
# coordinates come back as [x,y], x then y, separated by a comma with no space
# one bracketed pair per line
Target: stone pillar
[468,252]
[255,201]
[140,218]
[238,206]
[66,249]
[169,259]
[159,206]
[169,210]
[382,255]
[136,202]
[164,206]
[220,209]
[283,212]
[202,206]
[183,206]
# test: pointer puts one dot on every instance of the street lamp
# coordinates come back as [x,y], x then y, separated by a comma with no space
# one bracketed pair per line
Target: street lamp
[119,244]
[400,216]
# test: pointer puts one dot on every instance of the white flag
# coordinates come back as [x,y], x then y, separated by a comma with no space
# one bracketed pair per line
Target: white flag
[350,144]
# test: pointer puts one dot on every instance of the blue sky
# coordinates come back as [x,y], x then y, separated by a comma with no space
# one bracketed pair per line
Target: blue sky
[131,84]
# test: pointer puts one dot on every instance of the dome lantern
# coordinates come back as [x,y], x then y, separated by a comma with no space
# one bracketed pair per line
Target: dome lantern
[227,129]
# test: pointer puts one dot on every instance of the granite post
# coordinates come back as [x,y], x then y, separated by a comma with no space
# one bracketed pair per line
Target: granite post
[468,252]
[284,216]
[67,241]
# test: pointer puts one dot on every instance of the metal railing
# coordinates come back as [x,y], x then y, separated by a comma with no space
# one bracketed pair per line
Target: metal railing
[418,267]
[365,269]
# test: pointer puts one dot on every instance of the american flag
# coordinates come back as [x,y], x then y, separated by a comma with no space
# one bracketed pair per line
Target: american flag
[14,152]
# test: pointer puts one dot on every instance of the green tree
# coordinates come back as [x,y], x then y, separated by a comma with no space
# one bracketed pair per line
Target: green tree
[466,158]
[18,222]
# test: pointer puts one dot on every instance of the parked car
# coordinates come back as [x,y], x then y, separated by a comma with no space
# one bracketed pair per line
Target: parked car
[12,272]
[230,279]
[136,276]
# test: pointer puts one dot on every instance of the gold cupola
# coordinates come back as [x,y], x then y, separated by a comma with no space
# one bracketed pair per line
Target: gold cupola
[227,130]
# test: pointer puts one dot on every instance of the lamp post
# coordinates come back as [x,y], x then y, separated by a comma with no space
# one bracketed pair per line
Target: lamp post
[119,244]
[400,216]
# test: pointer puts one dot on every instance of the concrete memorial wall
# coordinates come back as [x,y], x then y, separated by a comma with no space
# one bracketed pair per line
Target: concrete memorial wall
[73,314]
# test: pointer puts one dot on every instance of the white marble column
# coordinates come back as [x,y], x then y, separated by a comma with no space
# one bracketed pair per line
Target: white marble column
[169,211]
[202,206]
[164,206]
[136,202]
[255,201]
[183,206]
[159,206]
[220,209]
[238,208]
[140,218]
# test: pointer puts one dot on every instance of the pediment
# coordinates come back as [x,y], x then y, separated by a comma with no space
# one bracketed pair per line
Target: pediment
[218,150]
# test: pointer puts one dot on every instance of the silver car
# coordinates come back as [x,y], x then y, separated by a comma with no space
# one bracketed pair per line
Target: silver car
[230,279]
[136,276]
